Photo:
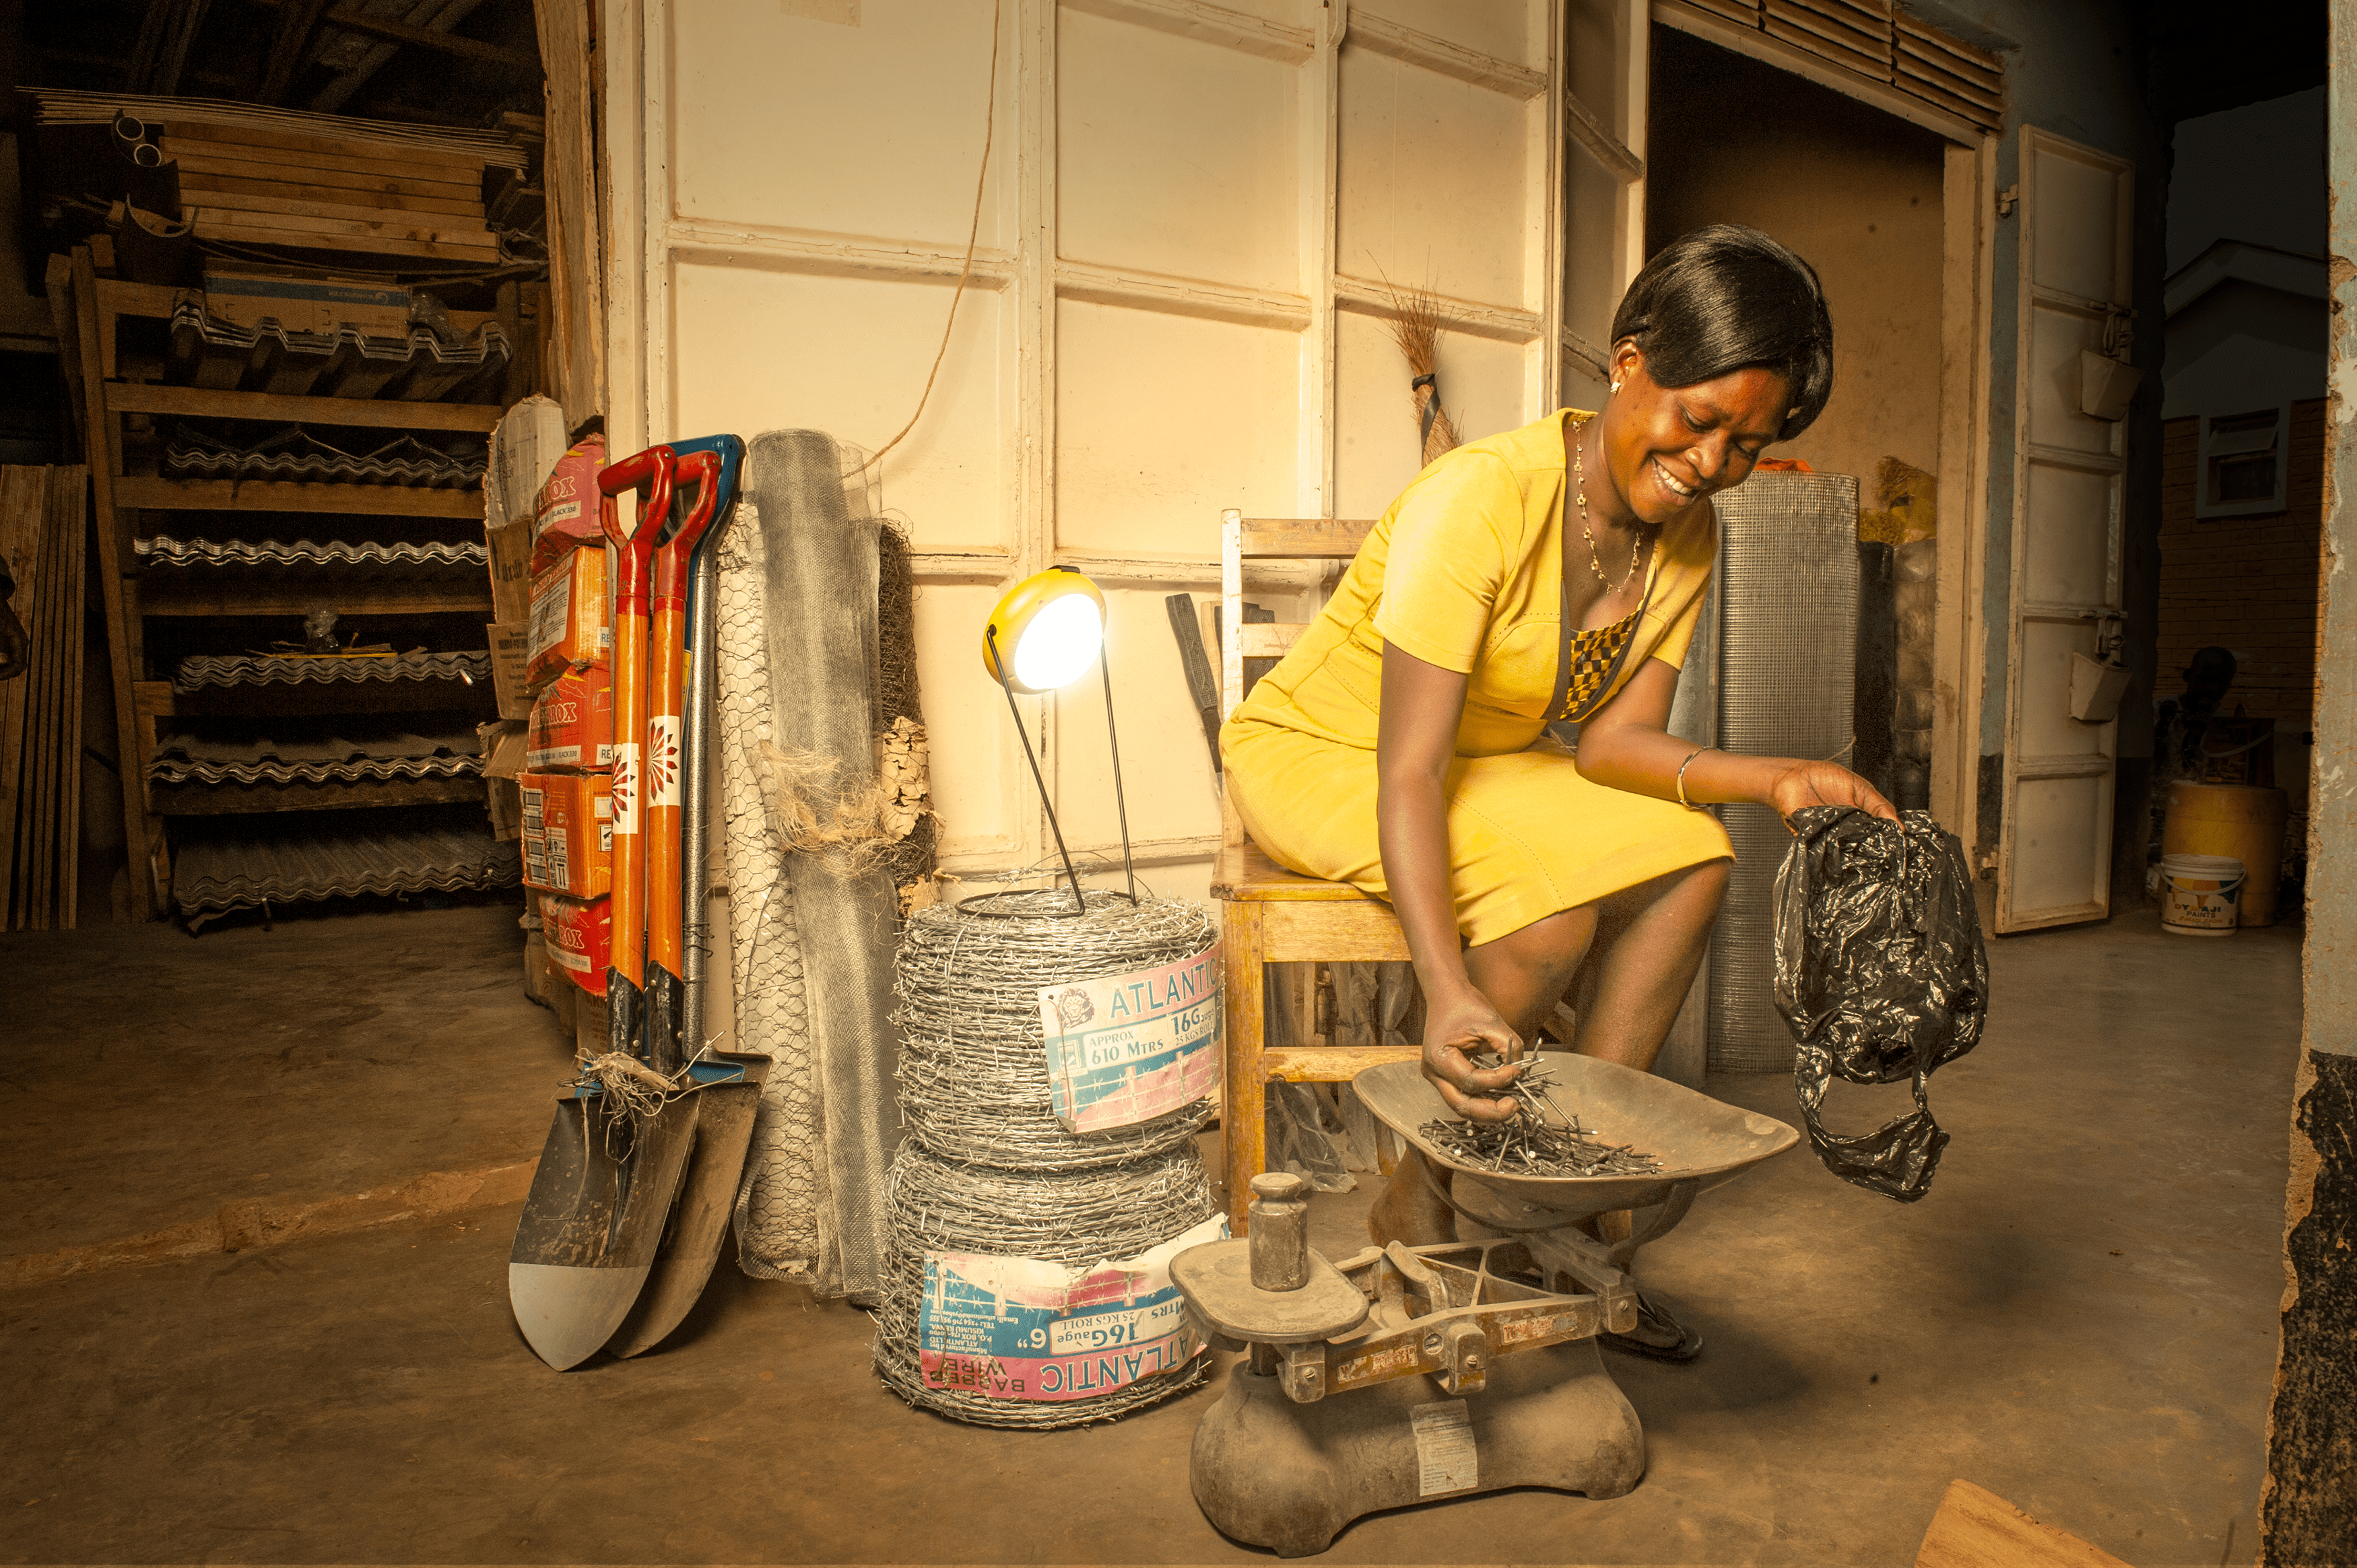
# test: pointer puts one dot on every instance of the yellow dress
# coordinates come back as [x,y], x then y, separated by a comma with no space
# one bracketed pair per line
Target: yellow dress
[1465,570]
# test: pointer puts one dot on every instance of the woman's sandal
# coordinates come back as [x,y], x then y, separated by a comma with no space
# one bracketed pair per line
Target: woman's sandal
[1686,1347]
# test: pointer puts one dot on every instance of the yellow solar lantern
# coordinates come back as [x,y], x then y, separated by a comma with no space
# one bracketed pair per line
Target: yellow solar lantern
[1043,636]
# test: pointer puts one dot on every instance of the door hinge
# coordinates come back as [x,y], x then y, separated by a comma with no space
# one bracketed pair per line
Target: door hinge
[2006,199]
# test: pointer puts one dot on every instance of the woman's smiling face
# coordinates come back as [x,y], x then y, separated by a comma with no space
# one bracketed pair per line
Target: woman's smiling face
[1668,447]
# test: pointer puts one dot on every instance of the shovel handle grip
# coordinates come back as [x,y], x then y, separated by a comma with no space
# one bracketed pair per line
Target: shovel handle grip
[650,474]
[701,469]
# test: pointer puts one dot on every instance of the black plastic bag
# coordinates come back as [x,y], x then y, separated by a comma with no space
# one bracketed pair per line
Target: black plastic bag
[1881,973]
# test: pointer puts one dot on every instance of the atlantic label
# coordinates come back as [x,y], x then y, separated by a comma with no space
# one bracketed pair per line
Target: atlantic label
[1024,1329]
[1126,1048]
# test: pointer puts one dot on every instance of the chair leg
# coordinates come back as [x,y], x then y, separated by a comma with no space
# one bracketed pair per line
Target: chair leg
[1244,1104]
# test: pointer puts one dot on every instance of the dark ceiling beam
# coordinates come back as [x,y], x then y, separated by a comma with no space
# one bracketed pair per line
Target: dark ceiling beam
[298,19]
[165,36]
[427,39]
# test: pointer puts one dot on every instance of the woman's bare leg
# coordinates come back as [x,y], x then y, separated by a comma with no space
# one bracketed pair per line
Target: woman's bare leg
[1522,974]
[1654,936]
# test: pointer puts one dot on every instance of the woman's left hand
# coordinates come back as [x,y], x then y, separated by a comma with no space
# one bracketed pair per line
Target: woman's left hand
[1825,784]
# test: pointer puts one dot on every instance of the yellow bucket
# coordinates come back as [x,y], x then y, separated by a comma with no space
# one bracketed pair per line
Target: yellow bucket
[2243,821]
[2199,895]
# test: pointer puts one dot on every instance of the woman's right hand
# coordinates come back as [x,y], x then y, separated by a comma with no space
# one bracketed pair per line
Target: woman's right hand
[1461,1022]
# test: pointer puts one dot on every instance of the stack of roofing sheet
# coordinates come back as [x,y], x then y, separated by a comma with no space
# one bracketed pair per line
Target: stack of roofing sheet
[163,549]
[295,455]
[235,870]
[1955,75]
[186,759]
[417,366]
[202,670]
[1851,33]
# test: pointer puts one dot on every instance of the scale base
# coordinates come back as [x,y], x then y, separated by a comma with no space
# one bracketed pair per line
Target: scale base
[1289,1476]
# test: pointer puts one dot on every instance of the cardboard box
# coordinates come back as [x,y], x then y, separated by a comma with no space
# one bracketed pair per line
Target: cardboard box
[579,933]
[566,512]
[308,304]
[511,646]
[568,832]
[569,611]
[510,545]
[573,722]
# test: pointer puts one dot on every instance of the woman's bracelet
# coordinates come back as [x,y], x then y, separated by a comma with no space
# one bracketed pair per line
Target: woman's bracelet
[1689,805]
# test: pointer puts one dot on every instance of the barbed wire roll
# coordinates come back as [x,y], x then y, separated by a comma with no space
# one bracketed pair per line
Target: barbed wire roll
[973,1059]
[1074,1218]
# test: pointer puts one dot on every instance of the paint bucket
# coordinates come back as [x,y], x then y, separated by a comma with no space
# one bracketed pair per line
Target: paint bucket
[2244,821]
[2200,894]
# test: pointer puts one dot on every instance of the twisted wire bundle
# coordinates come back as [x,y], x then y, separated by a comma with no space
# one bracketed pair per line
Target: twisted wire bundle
[1074,1218]
[974,1057]
[986,1167]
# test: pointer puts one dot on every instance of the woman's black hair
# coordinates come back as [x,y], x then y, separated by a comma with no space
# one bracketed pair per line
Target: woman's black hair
[1725,298]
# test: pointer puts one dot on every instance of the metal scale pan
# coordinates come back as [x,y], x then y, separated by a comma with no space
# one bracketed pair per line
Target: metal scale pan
[1702,1142]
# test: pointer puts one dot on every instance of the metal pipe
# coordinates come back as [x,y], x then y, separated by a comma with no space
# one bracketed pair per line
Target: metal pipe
[695,766]
[1120,804]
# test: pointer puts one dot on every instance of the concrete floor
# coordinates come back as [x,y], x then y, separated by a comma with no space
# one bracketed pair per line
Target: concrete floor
[2081,1316]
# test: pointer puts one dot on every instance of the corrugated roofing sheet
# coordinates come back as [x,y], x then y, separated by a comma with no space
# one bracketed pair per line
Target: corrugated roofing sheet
[181,759]
[202,670]
[415,366]
[163,549]
[297,454]
[212,877]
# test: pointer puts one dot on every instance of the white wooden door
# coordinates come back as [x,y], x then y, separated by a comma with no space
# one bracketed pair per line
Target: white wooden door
[2054,863]
[1190,215]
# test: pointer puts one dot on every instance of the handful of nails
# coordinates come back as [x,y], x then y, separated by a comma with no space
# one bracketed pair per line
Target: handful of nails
[1525,1145]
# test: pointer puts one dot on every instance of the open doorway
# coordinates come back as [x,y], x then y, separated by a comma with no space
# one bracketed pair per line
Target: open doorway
[1858,192]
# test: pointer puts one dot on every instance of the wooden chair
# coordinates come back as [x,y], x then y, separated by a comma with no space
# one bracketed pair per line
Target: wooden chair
[1268,914]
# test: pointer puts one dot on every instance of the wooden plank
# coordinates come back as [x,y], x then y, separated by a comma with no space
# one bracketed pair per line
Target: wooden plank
[1823,48]
[122,641]
[1332,1064]
[421,228]
[20,541]
[396,184]
[1244,1103]
[1987,118]
[1301,538]
[1976,1529]
[301,167]
[281,495]
[261,196]
[1873,43]
[139,397]
[70,494]
[300,146]
[159,596]
[1911,63]
[1268,640]
[28,905]
[201,799]
[1360,930]
[220,228]
[1970,54]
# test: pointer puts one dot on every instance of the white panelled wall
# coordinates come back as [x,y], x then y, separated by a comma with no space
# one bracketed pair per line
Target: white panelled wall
[1174,306]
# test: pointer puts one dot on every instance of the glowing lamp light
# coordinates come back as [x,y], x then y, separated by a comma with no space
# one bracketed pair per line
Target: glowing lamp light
[1051,626]
[1043,636]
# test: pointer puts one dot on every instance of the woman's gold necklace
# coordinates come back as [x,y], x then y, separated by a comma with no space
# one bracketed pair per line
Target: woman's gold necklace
[1595,561]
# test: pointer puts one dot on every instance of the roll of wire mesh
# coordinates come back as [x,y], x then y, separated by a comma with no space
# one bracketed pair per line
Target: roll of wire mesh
[986,1167]
[1785,600]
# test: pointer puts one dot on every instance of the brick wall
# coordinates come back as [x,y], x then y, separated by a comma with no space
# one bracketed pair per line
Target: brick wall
[2245,583]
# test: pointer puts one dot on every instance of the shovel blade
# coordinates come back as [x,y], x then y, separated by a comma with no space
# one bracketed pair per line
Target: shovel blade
[593,1222]
[707,1200]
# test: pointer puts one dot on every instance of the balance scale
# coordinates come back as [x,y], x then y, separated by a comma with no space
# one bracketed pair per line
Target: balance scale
[1405,1374]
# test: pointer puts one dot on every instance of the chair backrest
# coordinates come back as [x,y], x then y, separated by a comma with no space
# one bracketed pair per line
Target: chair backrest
[1244,539]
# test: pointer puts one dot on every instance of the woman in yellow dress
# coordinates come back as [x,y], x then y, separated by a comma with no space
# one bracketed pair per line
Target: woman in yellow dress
[1552,573]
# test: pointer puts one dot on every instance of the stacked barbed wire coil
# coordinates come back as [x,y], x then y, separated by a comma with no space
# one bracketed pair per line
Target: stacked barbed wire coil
[986,1167]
